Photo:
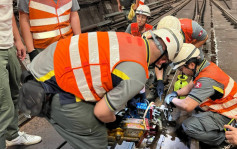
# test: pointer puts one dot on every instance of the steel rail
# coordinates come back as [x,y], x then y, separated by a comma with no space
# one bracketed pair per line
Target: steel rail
[228,16]
[170,12]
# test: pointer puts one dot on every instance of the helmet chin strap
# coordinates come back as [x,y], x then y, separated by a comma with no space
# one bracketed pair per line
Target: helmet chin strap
[154,63]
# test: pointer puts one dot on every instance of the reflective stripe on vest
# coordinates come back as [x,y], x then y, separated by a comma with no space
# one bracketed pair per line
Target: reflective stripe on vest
[141,2]
[227,105]
[51,34]
[186,26]
[83,63]
[135,29]
[49,21]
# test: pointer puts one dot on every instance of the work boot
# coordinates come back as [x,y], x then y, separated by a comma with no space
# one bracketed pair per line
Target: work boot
[24,139]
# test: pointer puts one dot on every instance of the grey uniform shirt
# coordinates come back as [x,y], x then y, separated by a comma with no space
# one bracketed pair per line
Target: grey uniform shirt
[198,32]
[118,97]
[23,5]
[205,88]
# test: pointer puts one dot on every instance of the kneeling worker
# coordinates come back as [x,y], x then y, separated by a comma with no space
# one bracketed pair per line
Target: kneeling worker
[95,74]
[211,89]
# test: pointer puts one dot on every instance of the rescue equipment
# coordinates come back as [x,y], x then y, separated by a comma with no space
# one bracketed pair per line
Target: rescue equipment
[180,83]
[139,125]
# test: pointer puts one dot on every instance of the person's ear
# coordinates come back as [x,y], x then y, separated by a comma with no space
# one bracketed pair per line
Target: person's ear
[192,65]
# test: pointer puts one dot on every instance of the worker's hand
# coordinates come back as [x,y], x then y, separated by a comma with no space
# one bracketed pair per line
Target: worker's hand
[231,135]
[21,50]
[160,87]
[134,7]
[33,54]
[170,97]
[120,8]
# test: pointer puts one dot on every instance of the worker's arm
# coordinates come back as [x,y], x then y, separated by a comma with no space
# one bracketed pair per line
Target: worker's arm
[75,23]
[159,73]
[198,44]
[128,79]
[201,91]
[74,18]
[128,30]
[188,104]
[119,6]
[199,34]
[160,83]
[136,5]
[185,90]
[21,51]
[25,30]
[103,113]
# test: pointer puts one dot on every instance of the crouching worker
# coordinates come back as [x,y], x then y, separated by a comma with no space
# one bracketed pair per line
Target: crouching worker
[212,89]
[95,74]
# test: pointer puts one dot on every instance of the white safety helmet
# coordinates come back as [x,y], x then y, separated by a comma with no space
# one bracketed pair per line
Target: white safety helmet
[172,39]
[169,22]
[187,52]
[144,10]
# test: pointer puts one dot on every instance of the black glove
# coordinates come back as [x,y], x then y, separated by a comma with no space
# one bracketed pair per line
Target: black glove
[160,87]
[142,97]
[132,103]
[33,54]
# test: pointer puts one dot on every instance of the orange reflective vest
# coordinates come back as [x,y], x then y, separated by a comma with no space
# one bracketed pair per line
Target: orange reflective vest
[227,105]
[49,21]
[141,2]
[83,63]
[186,26]
[135,29]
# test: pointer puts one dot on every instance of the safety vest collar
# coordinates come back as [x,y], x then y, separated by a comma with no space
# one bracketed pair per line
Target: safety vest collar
[50,9]
[203,65]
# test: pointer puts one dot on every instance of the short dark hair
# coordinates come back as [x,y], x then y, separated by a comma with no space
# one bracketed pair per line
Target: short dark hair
[196,60]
